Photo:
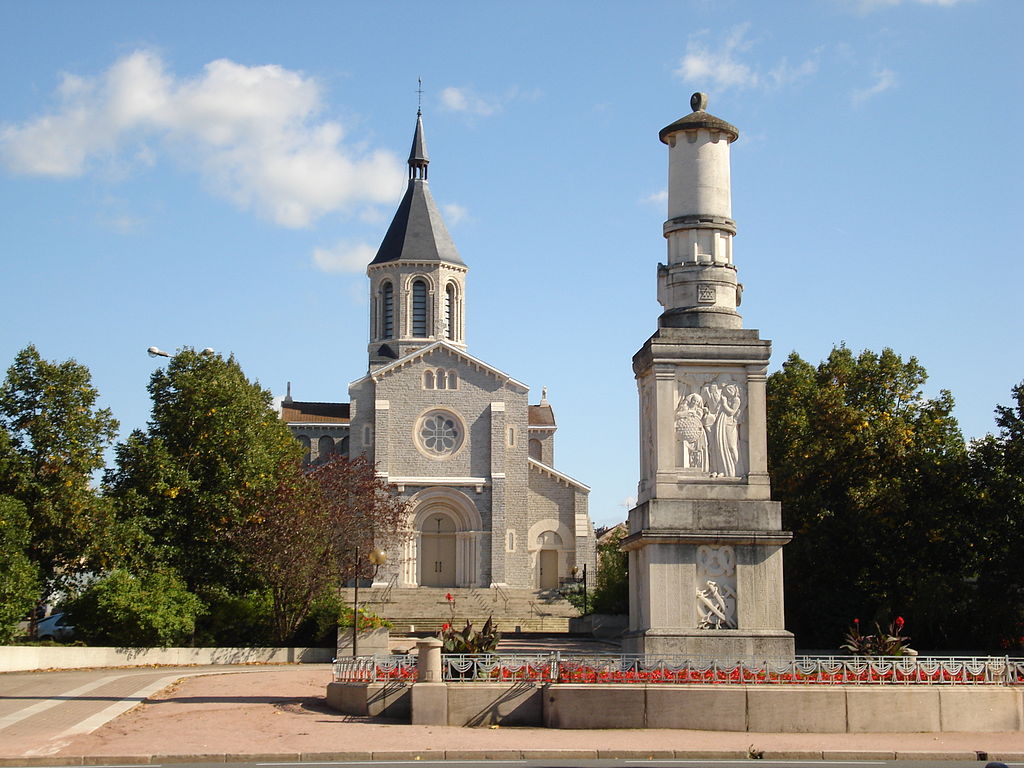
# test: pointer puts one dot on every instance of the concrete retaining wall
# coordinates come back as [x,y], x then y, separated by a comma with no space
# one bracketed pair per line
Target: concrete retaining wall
[754,708]
[14,658]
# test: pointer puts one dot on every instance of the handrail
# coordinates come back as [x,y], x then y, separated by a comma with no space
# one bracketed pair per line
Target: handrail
[499,592]
[385,596]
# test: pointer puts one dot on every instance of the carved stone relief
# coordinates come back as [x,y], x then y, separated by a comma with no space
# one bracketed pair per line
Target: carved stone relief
[709,416]
[648,432]
[716,587]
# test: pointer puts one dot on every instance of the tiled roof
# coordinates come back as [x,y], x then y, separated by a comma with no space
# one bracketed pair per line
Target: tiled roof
[541,416]
[316,413]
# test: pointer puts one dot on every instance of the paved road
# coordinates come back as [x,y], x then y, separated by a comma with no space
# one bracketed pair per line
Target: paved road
[41,712]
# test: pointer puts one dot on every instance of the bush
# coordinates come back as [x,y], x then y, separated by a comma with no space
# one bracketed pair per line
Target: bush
[19,578]
[235,621]
[125,610]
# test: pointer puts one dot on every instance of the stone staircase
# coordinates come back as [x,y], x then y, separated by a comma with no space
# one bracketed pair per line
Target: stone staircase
[422,610]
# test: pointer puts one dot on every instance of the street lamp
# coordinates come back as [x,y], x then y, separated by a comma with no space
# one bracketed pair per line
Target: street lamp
[578,579]
[377,557]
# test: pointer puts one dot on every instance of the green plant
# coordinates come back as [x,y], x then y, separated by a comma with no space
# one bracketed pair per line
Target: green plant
[367,619]
[890,643]
[122,609]
[467,640]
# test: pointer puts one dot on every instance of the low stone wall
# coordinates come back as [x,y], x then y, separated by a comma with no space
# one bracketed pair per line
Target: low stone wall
[18,658]
[765,709]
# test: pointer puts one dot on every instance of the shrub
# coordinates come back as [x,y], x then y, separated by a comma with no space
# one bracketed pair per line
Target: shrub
[122,609]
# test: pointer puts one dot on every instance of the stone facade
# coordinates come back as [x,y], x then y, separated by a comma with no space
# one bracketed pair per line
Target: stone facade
[453,435]
[705,539]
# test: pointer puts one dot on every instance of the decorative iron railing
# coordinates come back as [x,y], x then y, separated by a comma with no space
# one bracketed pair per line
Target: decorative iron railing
[802,670]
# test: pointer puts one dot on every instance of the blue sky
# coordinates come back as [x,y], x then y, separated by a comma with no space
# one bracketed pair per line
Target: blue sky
[218,174]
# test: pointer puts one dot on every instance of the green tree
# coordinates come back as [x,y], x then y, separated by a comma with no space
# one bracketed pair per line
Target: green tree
[611,588]
[302,540]
[121,609]
[19,577]
[214,447]
[874,483]
[52,439]
[998,470]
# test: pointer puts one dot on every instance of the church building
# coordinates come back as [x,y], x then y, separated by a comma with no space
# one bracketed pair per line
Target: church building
[452,434]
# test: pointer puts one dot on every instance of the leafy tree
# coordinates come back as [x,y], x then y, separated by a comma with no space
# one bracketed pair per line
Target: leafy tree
[611,590]
[213,449]
[52,438]
[874,483]
[998,470]
[155,609]
[19,581]
[302,540]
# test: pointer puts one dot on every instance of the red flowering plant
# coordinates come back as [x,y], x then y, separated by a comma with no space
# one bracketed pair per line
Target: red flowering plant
[888,643]
[467,639]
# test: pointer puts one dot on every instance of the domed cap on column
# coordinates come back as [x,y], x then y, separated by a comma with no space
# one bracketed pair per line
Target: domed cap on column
[699,118]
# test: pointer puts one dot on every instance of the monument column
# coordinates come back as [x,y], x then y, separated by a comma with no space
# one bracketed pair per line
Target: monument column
[705,540]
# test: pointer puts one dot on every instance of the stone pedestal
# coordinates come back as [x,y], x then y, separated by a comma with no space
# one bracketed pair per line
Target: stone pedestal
[705,540]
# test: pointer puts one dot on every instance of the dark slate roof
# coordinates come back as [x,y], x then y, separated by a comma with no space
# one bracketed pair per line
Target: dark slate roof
[418,153]
[417,233]
[541,416]
[320,413]
[699,118]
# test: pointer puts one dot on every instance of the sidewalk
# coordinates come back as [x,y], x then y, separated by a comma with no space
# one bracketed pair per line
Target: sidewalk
[279,715]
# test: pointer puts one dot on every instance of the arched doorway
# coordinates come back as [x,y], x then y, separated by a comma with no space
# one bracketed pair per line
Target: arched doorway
[437,551]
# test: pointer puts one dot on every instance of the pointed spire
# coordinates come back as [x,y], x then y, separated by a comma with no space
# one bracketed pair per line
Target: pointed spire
[418,160]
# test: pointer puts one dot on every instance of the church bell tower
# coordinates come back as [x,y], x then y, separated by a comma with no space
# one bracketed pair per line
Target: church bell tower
[417,278]
[705,539]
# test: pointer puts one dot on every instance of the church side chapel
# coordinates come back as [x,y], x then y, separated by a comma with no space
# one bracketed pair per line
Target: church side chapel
[455,436]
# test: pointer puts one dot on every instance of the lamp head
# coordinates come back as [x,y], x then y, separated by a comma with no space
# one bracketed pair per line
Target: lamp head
[378,556]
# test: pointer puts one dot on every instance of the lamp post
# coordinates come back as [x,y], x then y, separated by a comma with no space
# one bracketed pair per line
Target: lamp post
[578,579]
[377,557]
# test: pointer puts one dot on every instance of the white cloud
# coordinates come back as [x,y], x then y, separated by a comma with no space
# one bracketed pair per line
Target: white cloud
[345,256]
[884,80]
[252,132]
[719,66]
[455,213]
[465,100]
[657,198]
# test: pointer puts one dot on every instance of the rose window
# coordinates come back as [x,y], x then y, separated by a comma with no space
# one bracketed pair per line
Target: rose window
[440,433]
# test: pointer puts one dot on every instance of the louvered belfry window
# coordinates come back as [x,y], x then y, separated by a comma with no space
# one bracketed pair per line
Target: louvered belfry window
[419,309]
[449,312]
[388,299]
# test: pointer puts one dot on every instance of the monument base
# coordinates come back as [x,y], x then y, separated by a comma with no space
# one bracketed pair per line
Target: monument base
[722,644]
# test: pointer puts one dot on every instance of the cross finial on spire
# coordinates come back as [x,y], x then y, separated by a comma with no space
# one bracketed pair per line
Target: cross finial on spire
[419,96]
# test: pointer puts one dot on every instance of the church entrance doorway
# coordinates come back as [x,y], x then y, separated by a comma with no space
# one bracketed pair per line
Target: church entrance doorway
[548,568]
[437,551]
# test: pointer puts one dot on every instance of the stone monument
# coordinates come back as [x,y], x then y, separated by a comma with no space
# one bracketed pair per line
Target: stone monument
[705,540]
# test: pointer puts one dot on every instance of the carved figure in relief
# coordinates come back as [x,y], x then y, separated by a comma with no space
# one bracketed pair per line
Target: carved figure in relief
[726,428]
[715,611]
[691,426]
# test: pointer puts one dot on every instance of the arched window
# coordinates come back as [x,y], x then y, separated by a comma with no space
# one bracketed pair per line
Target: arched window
[387,296]
[535,450]
[324,449]
[449,311]
[440,378]
[304,441]
[453,380]
[511,435]
[428,379]
[419,309]
[343,446]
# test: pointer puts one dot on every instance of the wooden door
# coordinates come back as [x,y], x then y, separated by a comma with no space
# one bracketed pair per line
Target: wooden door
[548,568]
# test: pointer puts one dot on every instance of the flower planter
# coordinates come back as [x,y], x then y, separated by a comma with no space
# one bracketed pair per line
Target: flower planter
[370,642]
